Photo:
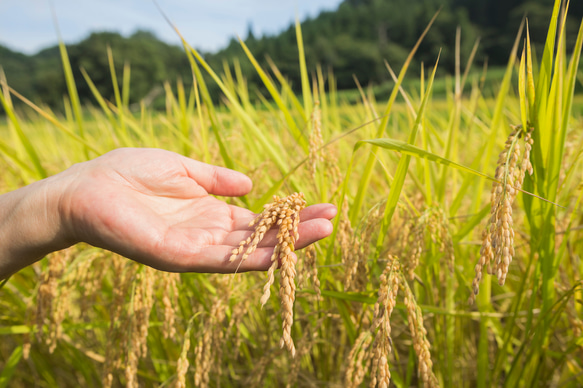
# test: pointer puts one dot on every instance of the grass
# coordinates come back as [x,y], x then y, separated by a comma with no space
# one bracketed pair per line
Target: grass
[411,175]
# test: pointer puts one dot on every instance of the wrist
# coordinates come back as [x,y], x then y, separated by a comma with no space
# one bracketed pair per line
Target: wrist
[32,224]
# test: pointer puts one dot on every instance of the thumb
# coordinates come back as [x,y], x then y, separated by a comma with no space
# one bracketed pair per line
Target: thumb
[218,180]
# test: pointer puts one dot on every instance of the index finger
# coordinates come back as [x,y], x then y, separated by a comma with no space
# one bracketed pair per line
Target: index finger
[217,180]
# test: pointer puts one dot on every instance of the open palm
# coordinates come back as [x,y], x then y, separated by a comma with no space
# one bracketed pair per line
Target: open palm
[155,207]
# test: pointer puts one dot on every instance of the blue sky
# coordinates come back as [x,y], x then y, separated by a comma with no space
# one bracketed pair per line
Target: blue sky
[27,25]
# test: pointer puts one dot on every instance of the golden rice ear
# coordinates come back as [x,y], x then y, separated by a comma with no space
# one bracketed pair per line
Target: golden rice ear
[52,299]
[310,270]
[316,141]
[355,246]
[383,309]
[358,360]
[285,214]
[118,332]
[211,340]
[498,237]
[170,301]
[421,344]
[182,364]
[142,303]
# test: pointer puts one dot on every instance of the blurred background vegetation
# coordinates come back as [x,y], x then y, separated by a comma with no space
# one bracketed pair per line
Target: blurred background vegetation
[353,40]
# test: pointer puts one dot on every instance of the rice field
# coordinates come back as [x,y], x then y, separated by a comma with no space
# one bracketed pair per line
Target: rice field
[455,261]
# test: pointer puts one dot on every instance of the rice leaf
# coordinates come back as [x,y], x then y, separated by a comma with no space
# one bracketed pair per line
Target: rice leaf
[408,149]
[303,70]
[10,367]
[31,152]
[365,179]
[402,167]
[72,89]
[299,137]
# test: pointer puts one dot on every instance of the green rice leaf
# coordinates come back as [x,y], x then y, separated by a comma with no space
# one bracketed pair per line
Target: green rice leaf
[365,179]
[497,118]
[349,296]
[471,224]
[201,85]
[306,90]
[402,167]
[271,150]
[10,367]
[409,149]
[55,122]
[72,89]
[24,140]
[277,98]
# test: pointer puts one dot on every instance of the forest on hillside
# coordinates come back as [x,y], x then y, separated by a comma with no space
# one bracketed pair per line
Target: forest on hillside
[353,40]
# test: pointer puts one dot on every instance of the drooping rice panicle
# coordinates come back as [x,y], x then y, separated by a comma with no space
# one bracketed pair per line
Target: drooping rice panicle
[387,299]
[498,237]
[285,214]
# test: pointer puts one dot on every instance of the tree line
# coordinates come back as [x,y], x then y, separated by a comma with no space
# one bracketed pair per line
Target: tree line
[355,39]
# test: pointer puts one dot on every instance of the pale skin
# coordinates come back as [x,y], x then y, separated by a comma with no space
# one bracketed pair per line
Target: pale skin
[149,205]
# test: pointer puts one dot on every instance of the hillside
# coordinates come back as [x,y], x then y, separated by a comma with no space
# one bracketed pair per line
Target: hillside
[354,40]
[361,34]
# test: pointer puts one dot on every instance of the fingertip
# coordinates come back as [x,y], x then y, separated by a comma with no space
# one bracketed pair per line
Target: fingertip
[319,210]
[246,182]
[230,183]
[327,228]
[238,183]
[331,211]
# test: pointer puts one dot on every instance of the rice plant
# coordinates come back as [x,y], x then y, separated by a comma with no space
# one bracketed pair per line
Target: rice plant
[427,217]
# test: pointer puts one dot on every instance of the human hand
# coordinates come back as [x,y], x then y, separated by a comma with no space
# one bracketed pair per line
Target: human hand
[155,207]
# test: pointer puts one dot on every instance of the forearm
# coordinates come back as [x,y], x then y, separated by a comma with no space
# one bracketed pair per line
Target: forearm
[30,224]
